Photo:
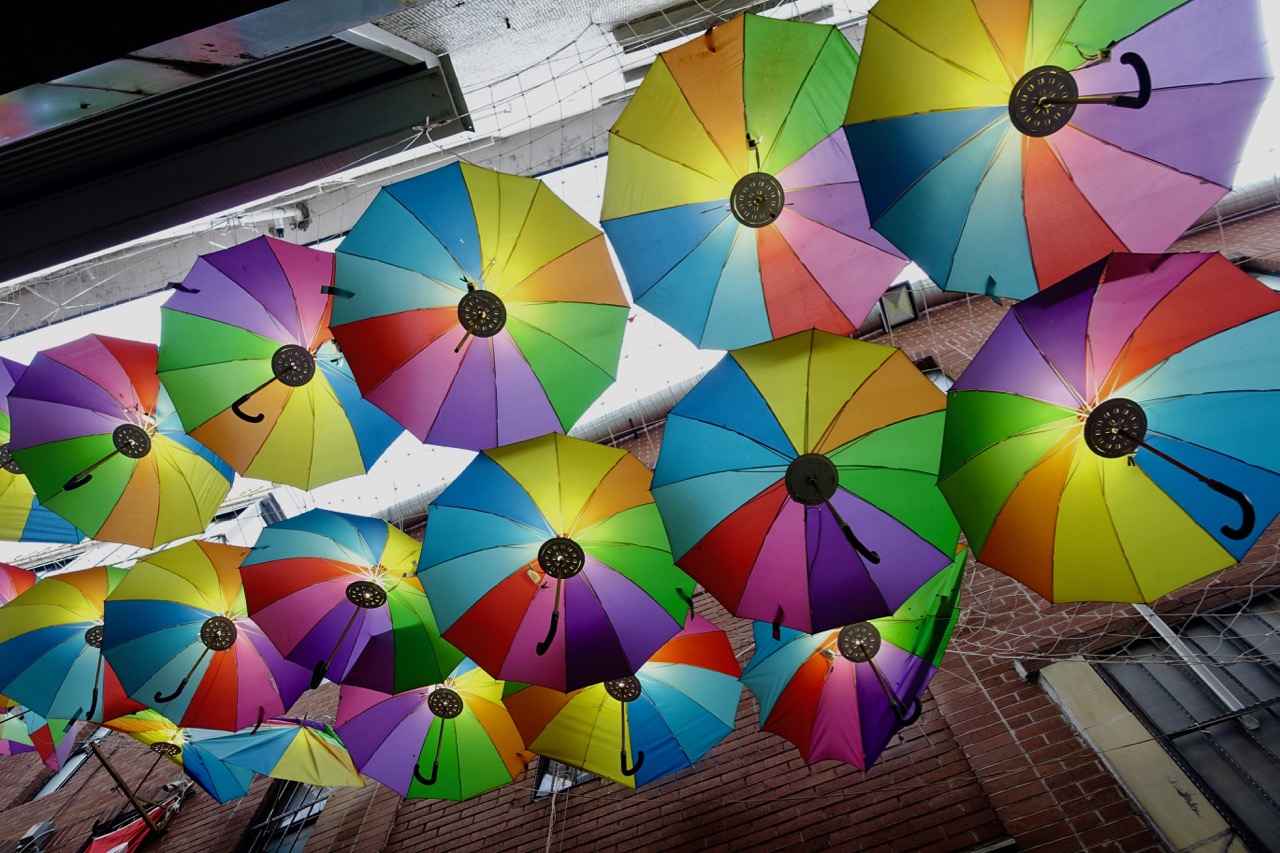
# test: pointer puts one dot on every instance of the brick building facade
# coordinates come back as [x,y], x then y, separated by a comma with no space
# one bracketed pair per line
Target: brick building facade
[997,761]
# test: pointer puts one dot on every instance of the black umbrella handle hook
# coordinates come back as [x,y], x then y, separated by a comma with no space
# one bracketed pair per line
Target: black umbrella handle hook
[545,646]
[1249,518]
[1139,65]
[435,764]
[240,413]
[622,753]
[182,685]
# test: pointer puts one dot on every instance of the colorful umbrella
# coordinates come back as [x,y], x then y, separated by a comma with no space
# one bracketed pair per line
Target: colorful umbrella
[327,587]
[1002,146]
[22,518]
[179,617]
[1113,438]
[22,730]
[797,481]
[95,433]
[246,353]
[843,694]
[14,580]
[637,729]
[551,527]
[477,308]
[50,648]
[301,750]
[183,746]
[731,197]
[460,725]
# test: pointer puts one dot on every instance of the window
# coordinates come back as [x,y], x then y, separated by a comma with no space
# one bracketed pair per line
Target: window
[285,819]
[553,776]
[1211,697]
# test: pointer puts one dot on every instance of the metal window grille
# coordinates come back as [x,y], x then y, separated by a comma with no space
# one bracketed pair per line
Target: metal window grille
[553,776]
[1211,698]
[285,819]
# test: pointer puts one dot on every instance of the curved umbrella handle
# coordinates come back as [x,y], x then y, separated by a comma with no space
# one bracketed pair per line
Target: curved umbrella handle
[1246,510]
[253,419]
[93,703]
[332,290]
[317,674]
[544,646]
[635,768]
[177,285]
[1139,65]
[427,780]
[912,712]
[262,714]
[161,699]
[77,481]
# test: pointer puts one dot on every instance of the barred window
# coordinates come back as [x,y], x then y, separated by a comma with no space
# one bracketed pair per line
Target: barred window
[553,776]
[285,819]
[1209,696]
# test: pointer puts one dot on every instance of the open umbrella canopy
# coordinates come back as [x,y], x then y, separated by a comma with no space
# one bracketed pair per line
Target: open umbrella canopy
[797,481]
[179,637]
[843,694]
[50,648]
[339,594]
[220,780]
[96,435]
[638,729]
[1002,146]
[731,197]
[451,741]
[548,530]
[1113,440]
[247,355]
[477,308]
[22,518]
[22,730]
[301,750]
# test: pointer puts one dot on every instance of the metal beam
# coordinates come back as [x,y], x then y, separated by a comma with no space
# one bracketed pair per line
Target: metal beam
[313,214]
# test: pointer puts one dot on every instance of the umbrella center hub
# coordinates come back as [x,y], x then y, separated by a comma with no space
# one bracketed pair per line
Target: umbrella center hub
[366,594]
[858,642]
[811,479]
[561,558]
[131,440]
[7,462]
[1036,105]
[166,748]
[218,633]
[293,365]
[93,636]
[482,313]
[625,689]
[1115,428]
[757,199]
[444,703]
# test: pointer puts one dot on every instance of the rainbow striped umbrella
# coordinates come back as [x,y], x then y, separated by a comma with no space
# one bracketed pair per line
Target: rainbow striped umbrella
[291,748]
[546,562]
[179,637]
[731,197]
[450,741]
[246,354]
[339,594]
[1113,440]
[50,648]
[638,729]
[22,518]
[1005,145]
[843,694]
[477,308]
[96,435]
[220,780]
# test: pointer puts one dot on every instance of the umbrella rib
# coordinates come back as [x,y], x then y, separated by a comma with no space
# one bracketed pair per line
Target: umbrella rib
[835,33]
[968,72]
[1081,402]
